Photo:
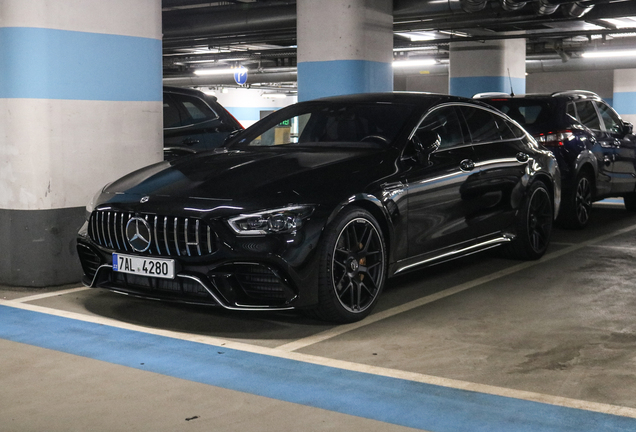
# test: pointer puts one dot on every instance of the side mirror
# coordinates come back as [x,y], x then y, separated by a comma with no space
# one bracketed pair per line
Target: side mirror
[628,128]
[231,136]
[426,143]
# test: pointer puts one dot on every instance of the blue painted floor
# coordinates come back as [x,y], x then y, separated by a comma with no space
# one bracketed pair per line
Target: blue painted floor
[390,400]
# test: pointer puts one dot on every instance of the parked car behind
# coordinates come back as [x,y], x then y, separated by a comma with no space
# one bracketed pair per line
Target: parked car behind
[193,121]
[316,205]
[594,146]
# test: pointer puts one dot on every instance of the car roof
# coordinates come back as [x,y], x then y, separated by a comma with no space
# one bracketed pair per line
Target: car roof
[567,94]
[190,92]
[411,98]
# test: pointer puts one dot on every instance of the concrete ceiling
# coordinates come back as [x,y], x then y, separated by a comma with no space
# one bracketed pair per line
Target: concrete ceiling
[261,34]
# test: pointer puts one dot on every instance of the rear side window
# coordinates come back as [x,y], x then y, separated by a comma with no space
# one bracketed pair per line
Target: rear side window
[195,110]
[483,125]
[587,115]
[445,122]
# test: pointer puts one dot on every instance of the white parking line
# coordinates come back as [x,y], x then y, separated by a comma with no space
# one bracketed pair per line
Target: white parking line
[50,294]
[340,364]
[372,319]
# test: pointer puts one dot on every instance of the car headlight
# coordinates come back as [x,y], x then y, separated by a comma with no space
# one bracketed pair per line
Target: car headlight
[277,221]
[91,205]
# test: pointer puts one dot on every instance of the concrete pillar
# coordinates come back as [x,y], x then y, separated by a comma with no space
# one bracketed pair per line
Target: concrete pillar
[477,67]
[344,47]
[80,105]
[624,100]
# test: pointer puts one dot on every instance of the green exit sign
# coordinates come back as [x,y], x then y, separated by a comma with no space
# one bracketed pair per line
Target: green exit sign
[285,123]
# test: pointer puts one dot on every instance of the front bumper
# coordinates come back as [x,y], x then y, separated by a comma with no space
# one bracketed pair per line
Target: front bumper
[246,274]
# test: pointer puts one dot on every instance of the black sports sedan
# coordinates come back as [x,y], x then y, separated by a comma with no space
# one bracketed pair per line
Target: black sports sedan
[316,205]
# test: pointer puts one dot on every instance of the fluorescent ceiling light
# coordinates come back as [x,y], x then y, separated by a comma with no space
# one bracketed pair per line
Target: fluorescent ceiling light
[419,36]
[413,63]
[621,23]
[606,54]
[228,71]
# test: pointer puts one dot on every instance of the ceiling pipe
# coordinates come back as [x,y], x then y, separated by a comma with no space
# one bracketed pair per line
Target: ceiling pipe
[512,5]
[545,7]
[473,5]
[577,10]
[218,21]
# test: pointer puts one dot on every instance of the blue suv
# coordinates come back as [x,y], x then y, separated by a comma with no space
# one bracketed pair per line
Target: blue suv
[595,148]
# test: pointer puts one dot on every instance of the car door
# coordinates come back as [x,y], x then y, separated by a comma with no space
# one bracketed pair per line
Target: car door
[501,158]
[623,167]
[604,149]
[434,183]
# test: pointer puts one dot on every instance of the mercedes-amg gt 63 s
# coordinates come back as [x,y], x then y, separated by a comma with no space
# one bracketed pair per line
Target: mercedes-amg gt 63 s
[316,205]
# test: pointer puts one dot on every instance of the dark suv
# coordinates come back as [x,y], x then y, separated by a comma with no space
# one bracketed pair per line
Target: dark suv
[595,149]
[193,121]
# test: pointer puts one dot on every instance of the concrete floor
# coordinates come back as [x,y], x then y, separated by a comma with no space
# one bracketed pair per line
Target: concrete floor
[482,343]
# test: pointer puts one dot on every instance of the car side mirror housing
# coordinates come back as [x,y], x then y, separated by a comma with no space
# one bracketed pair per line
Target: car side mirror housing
[628,128]
[426,143]
[231,136]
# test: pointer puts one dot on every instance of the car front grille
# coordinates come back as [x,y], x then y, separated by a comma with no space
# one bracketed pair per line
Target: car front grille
[170,235]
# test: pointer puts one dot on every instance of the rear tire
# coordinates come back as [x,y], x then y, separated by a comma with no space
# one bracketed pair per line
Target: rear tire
[533,224]
[352,267]
[630,202]
[575,212]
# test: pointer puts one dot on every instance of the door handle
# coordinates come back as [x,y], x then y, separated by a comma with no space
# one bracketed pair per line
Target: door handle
[467,165]
[522,157]
[190,141]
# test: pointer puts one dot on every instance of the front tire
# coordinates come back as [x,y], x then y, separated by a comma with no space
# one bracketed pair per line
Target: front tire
[352,267]
[533,224]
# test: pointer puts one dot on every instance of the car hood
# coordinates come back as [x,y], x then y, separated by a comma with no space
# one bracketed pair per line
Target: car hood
[261,177]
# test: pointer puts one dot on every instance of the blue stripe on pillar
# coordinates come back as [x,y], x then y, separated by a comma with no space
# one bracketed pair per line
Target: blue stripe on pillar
[469,86]
[625,102]
[341,77]
[59,64]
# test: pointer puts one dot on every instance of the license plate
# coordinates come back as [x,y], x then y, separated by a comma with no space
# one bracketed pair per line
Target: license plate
[153,267]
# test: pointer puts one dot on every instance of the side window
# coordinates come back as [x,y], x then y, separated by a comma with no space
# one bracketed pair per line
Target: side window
[587,115]
[571,110]
[171,116]
[196,109]
[611,120]
[481,124]
[445,122]
[516,131]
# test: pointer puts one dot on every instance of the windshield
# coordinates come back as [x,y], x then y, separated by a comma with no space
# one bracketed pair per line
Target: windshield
[319,124]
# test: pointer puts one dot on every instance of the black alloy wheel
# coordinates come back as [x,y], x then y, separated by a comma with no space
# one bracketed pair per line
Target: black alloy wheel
[534,224]
[575,213]
[583,200]
[353,267]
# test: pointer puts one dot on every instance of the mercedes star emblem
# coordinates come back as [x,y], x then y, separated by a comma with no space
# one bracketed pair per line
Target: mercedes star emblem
[138,234]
